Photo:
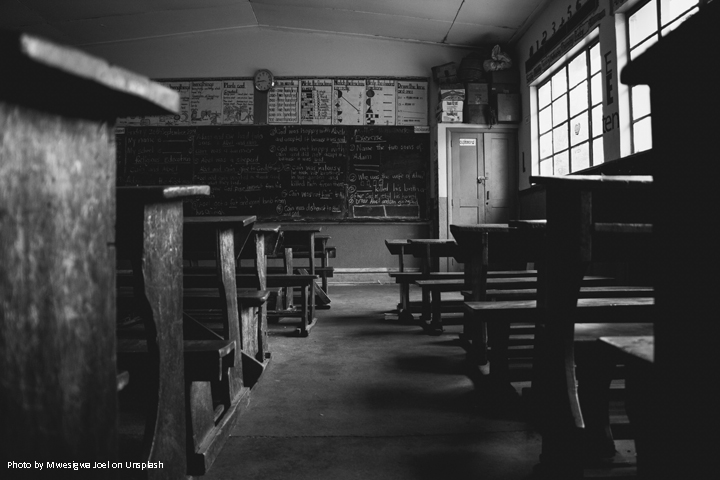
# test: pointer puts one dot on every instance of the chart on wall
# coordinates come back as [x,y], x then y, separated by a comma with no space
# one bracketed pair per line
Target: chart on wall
[296,101]
[349,102]
[380,102]
[315,101]
[283,102]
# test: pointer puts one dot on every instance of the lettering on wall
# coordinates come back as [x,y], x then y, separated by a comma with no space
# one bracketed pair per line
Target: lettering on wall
[611,121]
[608,79]
[565,38]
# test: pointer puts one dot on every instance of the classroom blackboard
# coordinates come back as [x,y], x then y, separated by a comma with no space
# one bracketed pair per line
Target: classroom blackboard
[285,172]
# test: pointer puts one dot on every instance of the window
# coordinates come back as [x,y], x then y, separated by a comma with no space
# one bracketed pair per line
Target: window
[570,115]
[645,26]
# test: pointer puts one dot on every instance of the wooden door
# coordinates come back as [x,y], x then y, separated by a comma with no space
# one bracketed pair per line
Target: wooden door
[500,182]
[468,181]
[468,178]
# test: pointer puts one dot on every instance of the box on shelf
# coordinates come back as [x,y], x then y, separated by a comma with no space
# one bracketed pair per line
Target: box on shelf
[504,88]
[505,76]
[477,114]
[477,93]
[450,111]
[454,92]
[454,117]
[446,73]
[508,107]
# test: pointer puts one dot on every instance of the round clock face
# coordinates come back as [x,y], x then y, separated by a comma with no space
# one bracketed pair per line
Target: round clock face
[264,80]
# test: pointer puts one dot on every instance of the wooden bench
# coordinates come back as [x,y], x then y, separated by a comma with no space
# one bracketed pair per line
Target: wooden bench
[428,251]
[637,353]
[219,321]
[322,252]
[514,283]
[500,315]
[241,309]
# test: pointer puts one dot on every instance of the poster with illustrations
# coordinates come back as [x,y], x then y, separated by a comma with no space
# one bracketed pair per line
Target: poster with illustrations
[238,100]
[348,106]
[206,102]
[380,102]
[315,101]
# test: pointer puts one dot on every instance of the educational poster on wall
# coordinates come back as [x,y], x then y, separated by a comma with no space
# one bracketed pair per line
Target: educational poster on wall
[183,118]
[283,105]
[206,102]
[380,102]
[238,98]
[349,101]
[412,101]
[315,101]
[133,121]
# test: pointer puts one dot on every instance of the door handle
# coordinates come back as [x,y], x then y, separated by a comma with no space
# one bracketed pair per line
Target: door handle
[481,179]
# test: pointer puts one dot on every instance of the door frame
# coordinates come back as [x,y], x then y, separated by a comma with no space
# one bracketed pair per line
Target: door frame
[444,169]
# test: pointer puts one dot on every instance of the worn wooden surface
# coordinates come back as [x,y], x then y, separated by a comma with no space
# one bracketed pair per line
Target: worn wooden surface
[82,86]
[58,397]
[266,242]
[150,234]
[640,347]
[57,345]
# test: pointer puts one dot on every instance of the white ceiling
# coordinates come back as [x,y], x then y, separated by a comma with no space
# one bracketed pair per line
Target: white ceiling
[451,22]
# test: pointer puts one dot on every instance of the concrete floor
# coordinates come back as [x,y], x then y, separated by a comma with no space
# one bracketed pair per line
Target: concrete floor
[366,397]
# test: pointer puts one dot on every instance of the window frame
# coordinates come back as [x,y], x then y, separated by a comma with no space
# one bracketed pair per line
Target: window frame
[593,103]
[642,45]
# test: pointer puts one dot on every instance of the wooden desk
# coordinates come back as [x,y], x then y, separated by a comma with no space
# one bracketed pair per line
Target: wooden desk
[224,232]
[300,234]
[266,241]
[150,234]
[573,240]
[519,245]
[429,251]
[685,403]
[58,107]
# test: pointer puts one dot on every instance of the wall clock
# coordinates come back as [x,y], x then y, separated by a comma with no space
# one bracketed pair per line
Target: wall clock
[264,80]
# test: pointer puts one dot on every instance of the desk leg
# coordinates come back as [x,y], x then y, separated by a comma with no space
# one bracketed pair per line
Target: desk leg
[311,290]
[289,270]
[225,262]
[261,268]
[476,276]
[554,383]
[157,266]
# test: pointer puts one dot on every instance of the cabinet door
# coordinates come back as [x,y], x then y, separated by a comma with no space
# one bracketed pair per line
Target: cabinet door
[468,170]
[500,182]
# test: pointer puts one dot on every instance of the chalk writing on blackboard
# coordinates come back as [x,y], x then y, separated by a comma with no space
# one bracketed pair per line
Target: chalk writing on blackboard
[285,172]
[386,173]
